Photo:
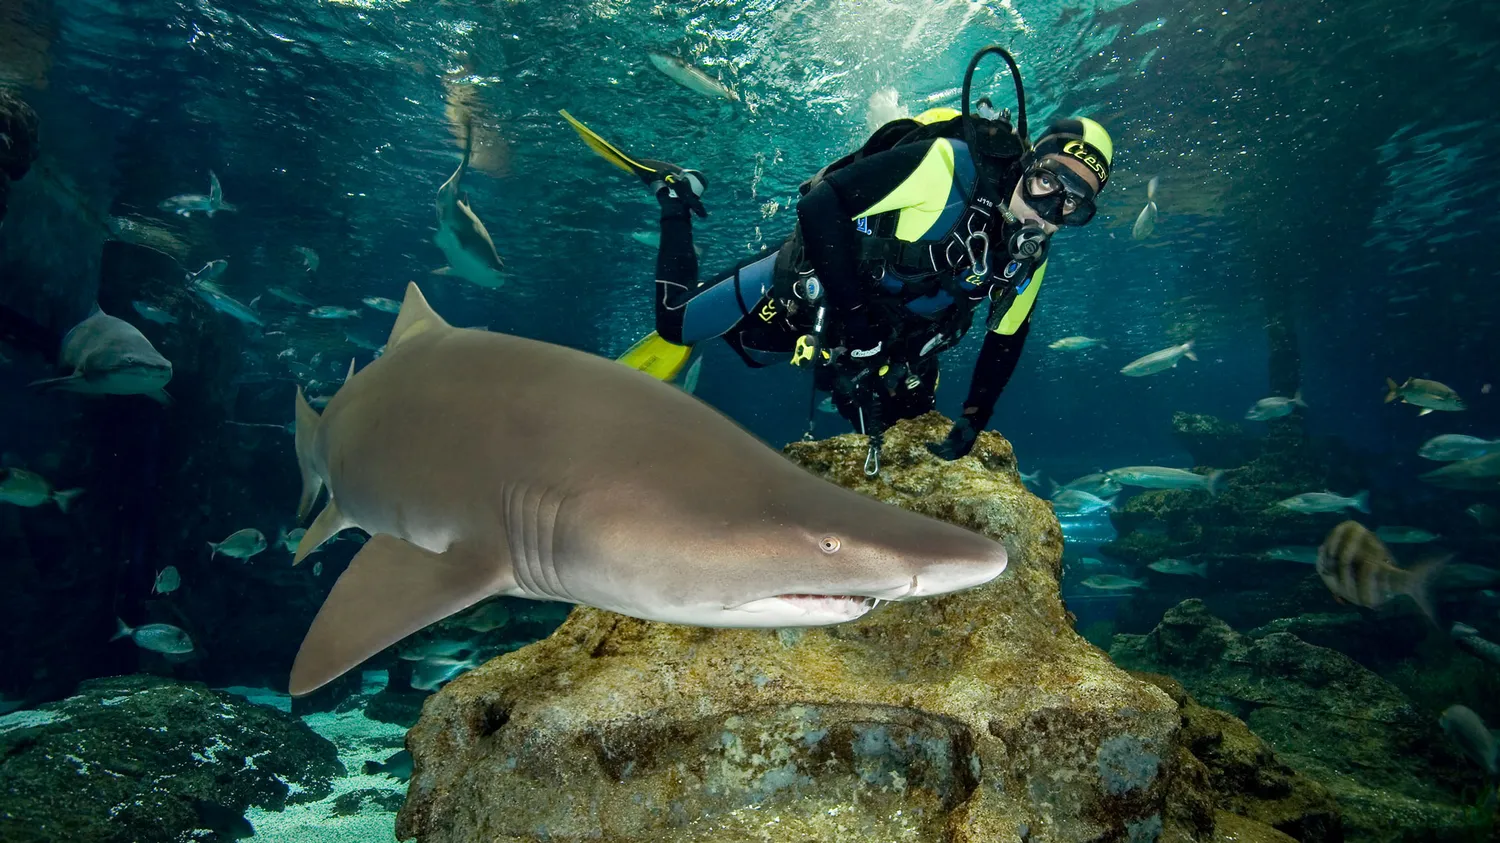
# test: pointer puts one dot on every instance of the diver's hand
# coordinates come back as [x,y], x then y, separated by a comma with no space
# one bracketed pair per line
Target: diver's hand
[685,189]
[960,440]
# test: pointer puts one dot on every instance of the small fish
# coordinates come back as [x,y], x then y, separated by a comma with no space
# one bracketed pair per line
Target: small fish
[226,304]
[289,539]
[1032,479]
[690,380]
[486,618]
[436,648]
[691,77]
[1091,562]
[167,581]
[188,204]
[1076,343]
[397,766]
[329,311]
[318,569]
[1098,483]
[1404,535]
[1429,395]
[1478,474]
[152,313]
[431,674]
[1300,554]
[1112,582]
[1313,502]
[1158,477]
[290,296]
[1151,26]
[1179,567]
[1465,728]
[383,305]
[1469,640]
[1159,361]
[1484,514]
[1358,569]
[360,342]
[309,258]
[210,272]
[23,488]
[1274,408]
[241,544]
[1074,502]
[1145,222]
[1452,447]
[156,637]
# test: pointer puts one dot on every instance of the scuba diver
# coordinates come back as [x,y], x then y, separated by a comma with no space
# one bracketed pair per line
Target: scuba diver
[895,247]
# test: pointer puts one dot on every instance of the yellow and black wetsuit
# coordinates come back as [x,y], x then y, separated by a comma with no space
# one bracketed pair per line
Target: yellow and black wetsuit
[893,237]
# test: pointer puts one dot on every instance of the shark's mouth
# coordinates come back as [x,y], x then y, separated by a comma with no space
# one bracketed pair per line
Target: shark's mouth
[830,602]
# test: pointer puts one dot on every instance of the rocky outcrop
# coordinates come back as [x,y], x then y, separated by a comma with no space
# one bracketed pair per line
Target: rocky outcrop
[126,758]
[979,716]
[1324,715]
[18,126]
[1210,440]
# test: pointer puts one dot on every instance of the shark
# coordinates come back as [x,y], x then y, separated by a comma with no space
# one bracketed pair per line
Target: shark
[478,463]
[188,204]
[462,238]
[110,356]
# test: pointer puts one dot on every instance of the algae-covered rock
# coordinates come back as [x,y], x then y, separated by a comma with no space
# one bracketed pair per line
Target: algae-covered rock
[123,760]
[978,716]
[1211,440]
[1325,715]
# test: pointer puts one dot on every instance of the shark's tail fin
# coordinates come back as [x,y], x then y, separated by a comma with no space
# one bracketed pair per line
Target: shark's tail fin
[307,429]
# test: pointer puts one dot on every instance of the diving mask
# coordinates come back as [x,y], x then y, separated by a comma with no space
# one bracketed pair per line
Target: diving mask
[1057,194]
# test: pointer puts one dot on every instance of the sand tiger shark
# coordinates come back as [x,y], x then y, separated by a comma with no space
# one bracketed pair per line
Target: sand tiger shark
[485,464]
[110,356]
[461,236]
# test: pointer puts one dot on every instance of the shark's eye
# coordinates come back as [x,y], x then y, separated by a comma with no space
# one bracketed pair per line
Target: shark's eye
[830,544]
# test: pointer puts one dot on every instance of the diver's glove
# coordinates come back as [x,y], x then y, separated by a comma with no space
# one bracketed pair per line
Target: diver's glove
[960,440]
[684,186]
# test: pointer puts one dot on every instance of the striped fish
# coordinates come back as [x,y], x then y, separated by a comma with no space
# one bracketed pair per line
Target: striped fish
[1358,569]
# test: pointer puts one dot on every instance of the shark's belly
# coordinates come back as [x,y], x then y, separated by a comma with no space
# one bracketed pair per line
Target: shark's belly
[464,263]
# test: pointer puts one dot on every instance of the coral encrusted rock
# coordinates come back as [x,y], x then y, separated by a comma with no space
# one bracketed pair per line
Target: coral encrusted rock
[978,716]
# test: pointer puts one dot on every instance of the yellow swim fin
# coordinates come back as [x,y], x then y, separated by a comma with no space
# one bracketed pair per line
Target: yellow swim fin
[644,168]
[657,357]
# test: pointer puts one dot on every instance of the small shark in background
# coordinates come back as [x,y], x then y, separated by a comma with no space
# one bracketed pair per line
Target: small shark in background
[188,204]
[691,76]
[474,461]
[110,356]
[461,236]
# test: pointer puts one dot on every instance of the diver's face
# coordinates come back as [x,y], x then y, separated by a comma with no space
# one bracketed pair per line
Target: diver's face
[1025,213]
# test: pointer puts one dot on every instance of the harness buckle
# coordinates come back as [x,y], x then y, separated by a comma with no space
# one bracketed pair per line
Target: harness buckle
[979,259]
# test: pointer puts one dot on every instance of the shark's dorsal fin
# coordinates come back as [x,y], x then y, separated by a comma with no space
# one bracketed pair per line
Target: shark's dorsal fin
[415,317]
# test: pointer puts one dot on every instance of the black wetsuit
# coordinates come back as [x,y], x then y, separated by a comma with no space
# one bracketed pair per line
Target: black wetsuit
[922,196]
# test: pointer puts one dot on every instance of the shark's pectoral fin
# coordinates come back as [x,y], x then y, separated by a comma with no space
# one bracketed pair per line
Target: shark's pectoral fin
[71,382]
[360,618]
[328,524]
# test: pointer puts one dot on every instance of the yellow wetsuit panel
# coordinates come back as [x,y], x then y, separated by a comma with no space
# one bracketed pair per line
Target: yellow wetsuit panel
[1021,307]
[922,197]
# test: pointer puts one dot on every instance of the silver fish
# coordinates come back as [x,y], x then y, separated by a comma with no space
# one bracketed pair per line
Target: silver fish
[1427,394]
[383,305]
[188,204]
[241,544]
[1465,728]
[329,311]
[1299,554]
[1308,503]
[1112,582]
[1452,447]
[23,488]
[1077,343]
[110,356]
[1074,502]
[1478,474]
[1159,477]
[290,296]
[1404,535]
[1180,567]
[432,674]
[309,258]
[1274,408]
[1098,483]
[1145,222]
[167,581]
[156,637]
[289,539]
[1468,639]
[1159,361]
[691,77]
[152,313]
